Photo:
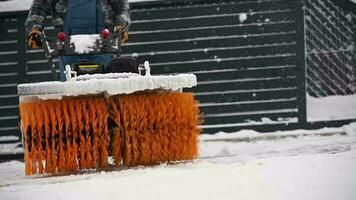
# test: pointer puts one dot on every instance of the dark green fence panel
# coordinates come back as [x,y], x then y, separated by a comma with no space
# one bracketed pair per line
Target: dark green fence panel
[247,69]
[12,71]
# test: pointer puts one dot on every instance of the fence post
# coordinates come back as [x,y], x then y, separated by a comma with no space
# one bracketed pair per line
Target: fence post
[301,63]
[353,14]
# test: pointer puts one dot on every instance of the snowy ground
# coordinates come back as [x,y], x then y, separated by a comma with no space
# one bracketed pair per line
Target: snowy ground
[303,167]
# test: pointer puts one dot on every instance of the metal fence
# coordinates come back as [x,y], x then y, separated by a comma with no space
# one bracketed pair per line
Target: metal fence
[330,42]
[249,58]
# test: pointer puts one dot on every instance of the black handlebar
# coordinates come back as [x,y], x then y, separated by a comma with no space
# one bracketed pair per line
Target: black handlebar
[56,48]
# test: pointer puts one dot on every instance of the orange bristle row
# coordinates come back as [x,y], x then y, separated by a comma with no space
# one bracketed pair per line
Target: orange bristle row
[159,127]
[59,135]
[77,133]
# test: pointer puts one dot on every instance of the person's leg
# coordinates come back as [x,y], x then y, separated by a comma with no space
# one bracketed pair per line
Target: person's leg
[103,59]
[61,69]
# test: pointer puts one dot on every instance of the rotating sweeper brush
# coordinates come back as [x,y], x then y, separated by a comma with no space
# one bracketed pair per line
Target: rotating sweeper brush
[95,121]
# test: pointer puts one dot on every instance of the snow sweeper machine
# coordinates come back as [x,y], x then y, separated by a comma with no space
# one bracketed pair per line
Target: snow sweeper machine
[100,118]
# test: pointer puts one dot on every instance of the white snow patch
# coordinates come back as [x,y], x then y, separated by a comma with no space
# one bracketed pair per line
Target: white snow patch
[84,44]
[351,129]
[15,5]
[266,120]
[331,108]
[135,55]
[242,17]
[10,148]
[253,134]
[131,84]
[105,76]
[252,122]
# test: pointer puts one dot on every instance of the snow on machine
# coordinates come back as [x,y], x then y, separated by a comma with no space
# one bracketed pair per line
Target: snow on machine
[99,118]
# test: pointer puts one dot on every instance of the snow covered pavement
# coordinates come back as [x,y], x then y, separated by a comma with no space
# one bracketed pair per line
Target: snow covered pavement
[297,167]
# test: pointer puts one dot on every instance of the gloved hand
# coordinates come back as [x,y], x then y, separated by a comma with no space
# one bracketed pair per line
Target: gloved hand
[124,33]
[34,39]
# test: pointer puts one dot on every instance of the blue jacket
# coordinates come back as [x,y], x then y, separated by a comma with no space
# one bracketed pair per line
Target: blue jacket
[116,12]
